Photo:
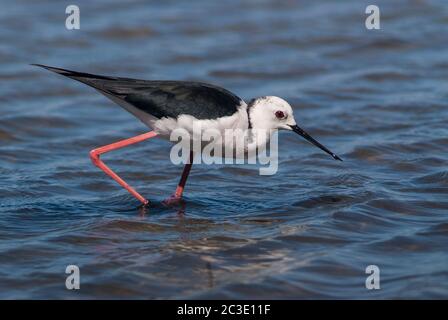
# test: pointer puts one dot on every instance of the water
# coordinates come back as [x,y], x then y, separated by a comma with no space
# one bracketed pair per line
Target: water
[376,98]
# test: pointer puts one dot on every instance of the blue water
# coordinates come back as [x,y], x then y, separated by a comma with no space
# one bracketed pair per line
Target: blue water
[377,98]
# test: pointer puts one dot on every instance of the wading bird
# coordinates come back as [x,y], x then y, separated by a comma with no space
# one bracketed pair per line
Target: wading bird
[168,105]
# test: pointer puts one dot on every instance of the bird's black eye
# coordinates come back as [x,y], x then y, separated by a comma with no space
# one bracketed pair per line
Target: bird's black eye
[280,114]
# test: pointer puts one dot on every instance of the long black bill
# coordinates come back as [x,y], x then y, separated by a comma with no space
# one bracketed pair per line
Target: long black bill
[302,132]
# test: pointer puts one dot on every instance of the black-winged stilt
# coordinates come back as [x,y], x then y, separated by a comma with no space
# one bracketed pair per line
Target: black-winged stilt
[168,105]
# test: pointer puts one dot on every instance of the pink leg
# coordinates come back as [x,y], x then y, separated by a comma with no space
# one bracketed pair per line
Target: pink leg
[181,186]
[183,179]
[95,156]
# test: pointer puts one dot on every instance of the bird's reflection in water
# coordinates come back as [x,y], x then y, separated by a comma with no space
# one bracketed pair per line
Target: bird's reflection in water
[144,210]
[210,274]
[183,228]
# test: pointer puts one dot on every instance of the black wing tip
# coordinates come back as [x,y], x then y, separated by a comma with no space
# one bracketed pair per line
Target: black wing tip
[54,69]
[80,76]
[43,66]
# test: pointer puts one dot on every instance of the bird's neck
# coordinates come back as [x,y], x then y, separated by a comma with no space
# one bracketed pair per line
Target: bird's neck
[258,139]
[256,118]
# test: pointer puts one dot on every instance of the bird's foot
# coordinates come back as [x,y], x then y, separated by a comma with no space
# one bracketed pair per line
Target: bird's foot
[145,205]
[173,201]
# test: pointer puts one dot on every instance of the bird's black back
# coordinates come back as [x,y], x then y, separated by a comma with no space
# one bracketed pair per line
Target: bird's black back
[162,98]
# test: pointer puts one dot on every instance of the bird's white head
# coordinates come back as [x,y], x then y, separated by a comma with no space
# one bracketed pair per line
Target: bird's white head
[271,113]
[275,113]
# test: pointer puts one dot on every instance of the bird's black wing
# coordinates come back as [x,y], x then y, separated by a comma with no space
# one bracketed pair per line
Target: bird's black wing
[162,98]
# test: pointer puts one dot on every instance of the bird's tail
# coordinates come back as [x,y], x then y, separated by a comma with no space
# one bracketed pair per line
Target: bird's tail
[113,88]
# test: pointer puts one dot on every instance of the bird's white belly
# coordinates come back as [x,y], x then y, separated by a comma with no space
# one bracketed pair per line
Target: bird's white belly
[233,130]
[226,137]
